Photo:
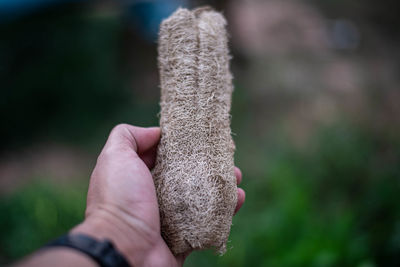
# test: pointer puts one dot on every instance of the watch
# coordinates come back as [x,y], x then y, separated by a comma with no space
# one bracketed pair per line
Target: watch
[103,252]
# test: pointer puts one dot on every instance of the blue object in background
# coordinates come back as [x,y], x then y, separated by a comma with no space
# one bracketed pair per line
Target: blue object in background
[10,9]
[146,16]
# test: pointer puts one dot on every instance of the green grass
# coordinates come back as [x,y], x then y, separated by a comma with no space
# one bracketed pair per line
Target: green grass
[36,214]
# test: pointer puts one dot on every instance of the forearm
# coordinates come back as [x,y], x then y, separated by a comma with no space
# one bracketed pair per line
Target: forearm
[57,256]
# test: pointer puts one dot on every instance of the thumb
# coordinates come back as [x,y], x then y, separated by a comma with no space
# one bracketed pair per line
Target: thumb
[138,139]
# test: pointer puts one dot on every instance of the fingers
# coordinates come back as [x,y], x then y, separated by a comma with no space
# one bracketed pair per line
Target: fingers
[182,257]
[238,175]
[139,139]
[144,141]
[240,192]
[149,157]
[241,198]
[146,138]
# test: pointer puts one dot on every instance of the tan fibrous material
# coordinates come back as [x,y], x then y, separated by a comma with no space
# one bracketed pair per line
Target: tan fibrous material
[194,171]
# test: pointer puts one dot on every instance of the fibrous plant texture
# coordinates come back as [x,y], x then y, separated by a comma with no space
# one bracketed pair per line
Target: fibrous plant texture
[194,171]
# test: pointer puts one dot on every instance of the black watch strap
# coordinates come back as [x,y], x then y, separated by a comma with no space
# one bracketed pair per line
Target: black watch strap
[103,252]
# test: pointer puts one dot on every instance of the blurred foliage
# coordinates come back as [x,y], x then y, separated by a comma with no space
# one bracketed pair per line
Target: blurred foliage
[382,17]
[37,213]
[55,76]
[63,76]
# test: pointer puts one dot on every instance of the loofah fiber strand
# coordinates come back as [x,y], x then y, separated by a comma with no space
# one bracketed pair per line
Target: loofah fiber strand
[194,171]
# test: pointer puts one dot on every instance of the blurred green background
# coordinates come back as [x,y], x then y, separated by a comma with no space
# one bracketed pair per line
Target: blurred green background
[315,118]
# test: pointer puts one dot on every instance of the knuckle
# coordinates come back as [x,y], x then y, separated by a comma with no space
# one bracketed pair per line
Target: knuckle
[106,155]
[121,127]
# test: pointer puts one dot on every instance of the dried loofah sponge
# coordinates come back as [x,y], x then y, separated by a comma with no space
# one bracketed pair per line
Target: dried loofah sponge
[194,171]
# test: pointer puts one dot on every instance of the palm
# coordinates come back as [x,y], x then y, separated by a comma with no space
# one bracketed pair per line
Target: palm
[124,169]
[140,195]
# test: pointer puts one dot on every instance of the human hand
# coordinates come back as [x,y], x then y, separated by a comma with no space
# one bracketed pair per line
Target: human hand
[122,203]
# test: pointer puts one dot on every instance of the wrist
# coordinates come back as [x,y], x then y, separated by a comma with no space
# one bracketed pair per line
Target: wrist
[126,239]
